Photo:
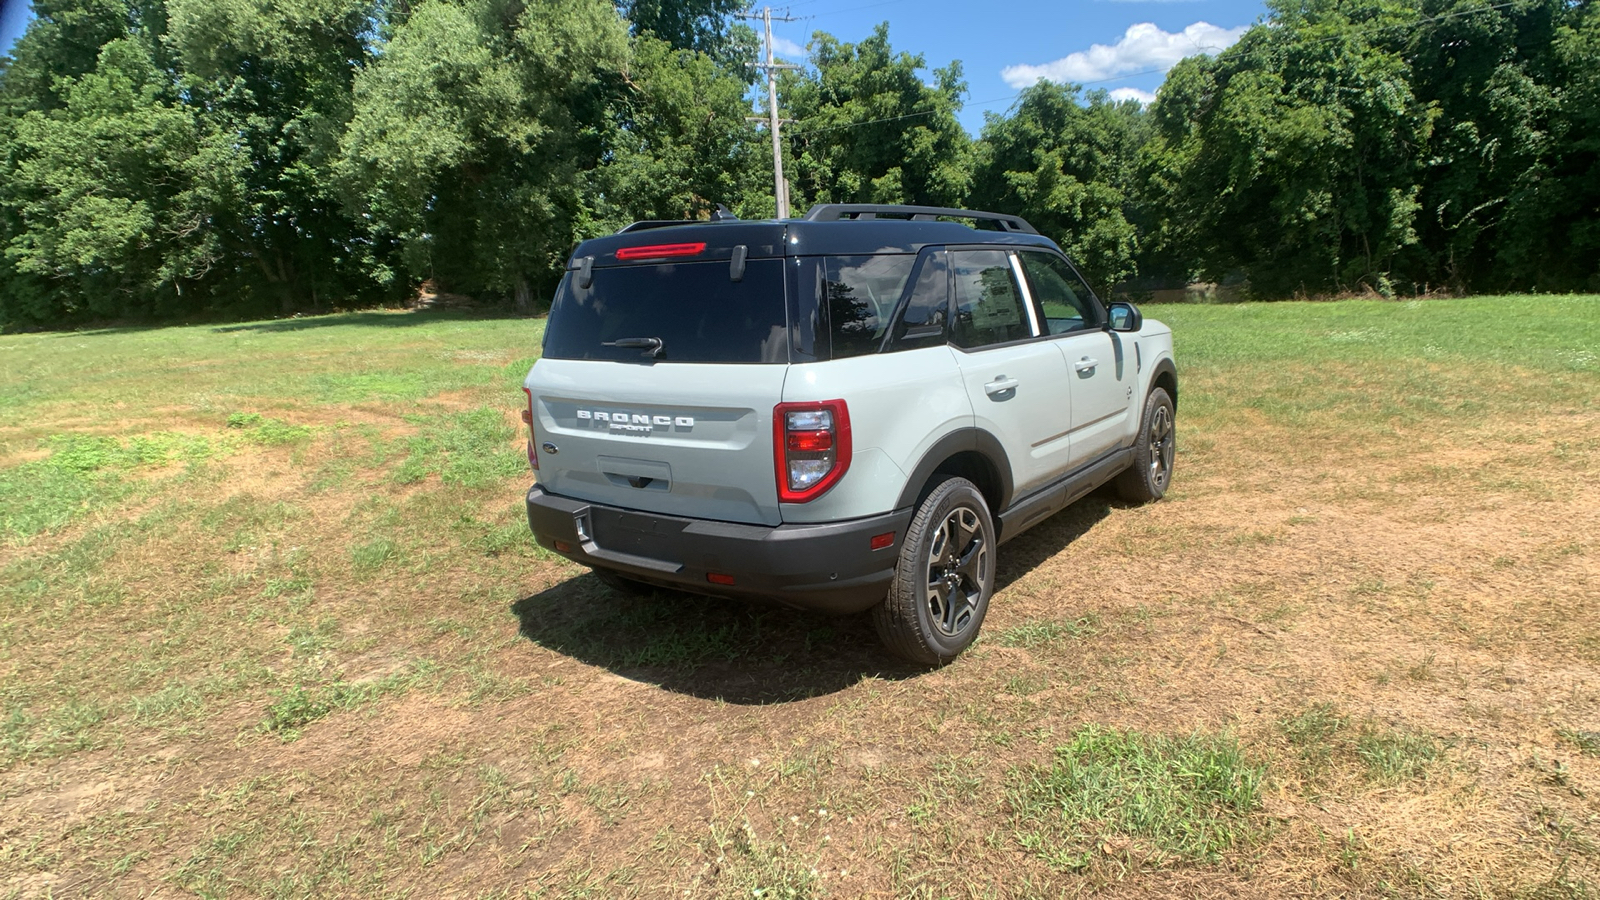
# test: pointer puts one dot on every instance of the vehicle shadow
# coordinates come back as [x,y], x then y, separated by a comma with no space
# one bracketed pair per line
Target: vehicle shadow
[707,647]
[1045,540]
[746,653]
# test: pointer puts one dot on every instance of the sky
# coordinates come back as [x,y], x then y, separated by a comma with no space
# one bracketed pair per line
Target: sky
[1123,46]
[14,15]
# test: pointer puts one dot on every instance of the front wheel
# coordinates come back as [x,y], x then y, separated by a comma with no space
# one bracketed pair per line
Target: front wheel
[943,579]
[1153,454]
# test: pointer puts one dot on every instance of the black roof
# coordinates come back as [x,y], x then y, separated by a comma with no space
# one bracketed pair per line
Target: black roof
[831,229]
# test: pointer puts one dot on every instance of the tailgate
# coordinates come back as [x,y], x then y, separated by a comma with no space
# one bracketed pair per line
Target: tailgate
[681,439]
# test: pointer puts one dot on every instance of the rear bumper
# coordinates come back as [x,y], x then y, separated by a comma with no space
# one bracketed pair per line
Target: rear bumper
[828,567]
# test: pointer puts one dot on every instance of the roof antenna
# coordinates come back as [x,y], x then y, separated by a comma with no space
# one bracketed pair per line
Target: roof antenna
[723,214]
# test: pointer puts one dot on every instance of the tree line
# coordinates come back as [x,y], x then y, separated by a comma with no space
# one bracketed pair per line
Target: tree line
[171,158]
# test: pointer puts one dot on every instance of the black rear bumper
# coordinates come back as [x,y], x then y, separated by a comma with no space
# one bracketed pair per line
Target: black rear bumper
[827,567]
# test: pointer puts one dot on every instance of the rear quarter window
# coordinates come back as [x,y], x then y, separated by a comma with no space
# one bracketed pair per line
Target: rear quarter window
[697,311]
[860,294]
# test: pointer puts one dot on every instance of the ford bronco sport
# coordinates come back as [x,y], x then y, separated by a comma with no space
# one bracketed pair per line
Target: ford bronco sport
[845,412]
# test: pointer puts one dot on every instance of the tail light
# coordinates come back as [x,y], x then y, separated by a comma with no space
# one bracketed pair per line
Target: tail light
[811,448]
[533,441]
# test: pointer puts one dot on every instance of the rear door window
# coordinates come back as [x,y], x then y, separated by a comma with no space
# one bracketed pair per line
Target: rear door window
[697,312]
[989,306]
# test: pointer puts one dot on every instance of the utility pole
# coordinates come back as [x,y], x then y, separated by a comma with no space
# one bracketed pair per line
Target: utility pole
[780,187]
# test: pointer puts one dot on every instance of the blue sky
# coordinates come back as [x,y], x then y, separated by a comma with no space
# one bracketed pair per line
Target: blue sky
[14,17]
[1005,45]
[1124,46]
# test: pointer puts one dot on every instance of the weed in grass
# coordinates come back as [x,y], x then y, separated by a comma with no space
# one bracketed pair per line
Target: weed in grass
[1042,632]
[473,449]
[750,867]
[1423,670]
[1587,742]
[1392,756]
[1146,798]
[1026,685]
[374,554]
[268,432]
[64,729]
[301,705]
[173,702]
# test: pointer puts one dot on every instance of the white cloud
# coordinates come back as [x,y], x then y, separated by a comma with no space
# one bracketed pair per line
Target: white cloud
[787,48]
[1143,47]
[1145,98]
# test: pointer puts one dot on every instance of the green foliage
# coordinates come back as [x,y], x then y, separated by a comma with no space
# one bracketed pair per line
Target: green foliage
[872,130]
[162,159]
[1071,169]
[1177,798]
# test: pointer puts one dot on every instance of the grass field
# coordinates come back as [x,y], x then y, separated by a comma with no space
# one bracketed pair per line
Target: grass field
[271,625]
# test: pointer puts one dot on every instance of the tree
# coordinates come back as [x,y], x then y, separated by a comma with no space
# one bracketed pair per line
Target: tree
[1293,155]
[869,130]
[1070,169]
[703,25]
[472,132]
[103,218]
[677,142]
[272,81]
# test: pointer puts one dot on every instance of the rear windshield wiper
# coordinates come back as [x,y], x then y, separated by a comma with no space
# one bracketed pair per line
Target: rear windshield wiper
[650,345]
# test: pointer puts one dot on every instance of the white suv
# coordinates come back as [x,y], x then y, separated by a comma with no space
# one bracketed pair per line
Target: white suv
[844,412]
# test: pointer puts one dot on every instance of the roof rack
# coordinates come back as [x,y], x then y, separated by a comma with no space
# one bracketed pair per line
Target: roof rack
[833,212]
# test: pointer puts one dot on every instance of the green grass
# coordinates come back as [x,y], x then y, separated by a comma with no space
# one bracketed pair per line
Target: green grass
[1153,798]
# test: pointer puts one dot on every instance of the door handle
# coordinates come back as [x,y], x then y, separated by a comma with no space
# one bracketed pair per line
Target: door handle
[1085,364]
[1000,385]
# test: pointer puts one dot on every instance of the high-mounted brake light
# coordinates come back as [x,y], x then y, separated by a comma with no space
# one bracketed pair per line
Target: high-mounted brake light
[810,448]
[661,251]
[533,446]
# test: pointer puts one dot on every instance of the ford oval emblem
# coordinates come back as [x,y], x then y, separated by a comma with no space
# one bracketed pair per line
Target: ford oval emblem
[549,447]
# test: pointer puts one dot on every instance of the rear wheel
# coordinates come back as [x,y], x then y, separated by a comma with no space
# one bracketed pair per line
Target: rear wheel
[944,577]
[1153,454]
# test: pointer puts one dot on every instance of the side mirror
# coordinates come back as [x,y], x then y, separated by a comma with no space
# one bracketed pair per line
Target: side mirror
[1125,316]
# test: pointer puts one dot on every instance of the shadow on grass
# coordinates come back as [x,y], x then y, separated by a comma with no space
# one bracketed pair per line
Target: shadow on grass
[707,647]
[1040,543]
[392,319]
[744,653]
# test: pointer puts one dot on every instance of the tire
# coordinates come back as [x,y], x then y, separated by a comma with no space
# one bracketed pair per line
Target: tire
[941,589]
[1154,453]
[622,584]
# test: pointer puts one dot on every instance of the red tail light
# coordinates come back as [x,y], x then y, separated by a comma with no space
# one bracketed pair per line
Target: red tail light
[810,448]
[661,251]
[533,445]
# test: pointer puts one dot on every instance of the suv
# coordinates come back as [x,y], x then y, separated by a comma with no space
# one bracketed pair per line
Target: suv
[845,412]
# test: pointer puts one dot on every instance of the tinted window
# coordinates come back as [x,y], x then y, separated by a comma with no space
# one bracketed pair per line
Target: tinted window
[923,324]
[695,309]
[1064,302]
[861,293]
[988,304]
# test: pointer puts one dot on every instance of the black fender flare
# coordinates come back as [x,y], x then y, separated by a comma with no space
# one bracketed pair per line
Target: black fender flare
[1164,367]
[959,441]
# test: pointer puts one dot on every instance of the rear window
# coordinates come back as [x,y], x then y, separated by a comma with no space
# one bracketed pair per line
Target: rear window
[695,310]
